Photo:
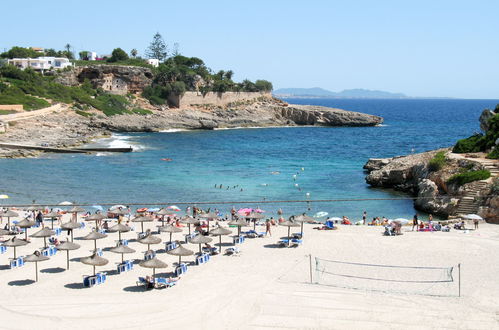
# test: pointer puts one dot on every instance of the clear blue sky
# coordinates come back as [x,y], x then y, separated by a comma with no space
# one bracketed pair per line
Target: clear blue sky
[420,48]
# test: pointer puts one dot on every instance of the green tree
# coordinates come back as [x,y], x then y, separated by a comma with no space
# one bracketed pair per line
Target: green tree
[229,74]
[83,55]
[50,52]
[134,53]
[263,85]
[157,48]
[68,53]
[117,55]
[20,52]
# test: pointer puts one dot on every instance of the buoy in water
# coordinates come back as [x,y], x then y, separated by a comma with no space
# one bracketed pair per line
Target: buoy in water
[167,159]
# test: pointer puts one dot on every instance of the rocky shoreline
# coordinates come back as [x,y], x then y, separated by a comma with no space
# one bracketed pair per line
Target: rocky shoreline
[433,194]
[66,128]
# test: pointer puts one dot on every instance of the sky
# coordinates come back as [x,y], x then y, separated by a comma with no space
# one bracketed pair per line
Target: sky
[419,48]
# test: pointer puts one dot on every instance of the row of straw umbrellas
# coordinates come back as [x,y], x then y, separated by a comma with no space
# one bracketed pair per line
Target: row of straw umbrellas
[95,260]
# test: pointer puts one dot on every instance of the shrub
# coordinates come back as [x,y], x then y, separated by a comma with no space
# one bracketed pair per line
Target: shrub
[437,162]
[472,144]
[84,113]
[467,177]
[494,154]
[117,55]
[140,111]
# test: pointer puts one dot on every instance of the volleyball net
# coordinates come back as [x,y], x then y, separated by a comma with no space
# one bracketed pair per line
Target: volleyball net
[432,281]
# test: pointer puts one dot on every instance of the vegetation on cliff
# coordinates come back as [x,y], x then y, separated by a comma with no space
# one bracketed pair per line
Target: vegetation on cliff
[437,162]
[469,176]
[482,142]
[32,90]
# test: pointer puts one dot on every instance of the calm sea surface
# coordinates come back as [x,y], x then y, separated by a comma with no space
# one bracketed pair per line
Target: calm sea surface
[255,164]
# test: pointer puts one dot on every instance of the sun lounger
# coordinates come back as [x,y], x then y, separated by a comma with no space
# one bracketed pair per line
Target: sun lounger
[296,241]
[125,266]
[170,246]
[253,234]
[232,251]
[238,239]
[148,255]
[3,249]
[162,282]
[89,281]
[101,277]
[297,235]
[49,251]
[141,281]
[99,252]
[200,260]
[189,236]
[214,250]
[181,269]
[58,231]
[16,262]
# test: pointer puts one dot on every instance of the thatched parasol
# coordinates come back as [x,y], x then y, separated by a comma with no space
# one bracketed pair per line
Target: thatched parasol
[153,263]
[239,223]
[301,219]
[44,232]
[95,217]
[120,228]
[289,224]
[200,239]
[36,258]
[220,232]
[75,210]
[26,224]
[122,249]
[9,214]
[14,242]
[94,260]
[67,246]
[70,226]
[150,239]
[180,251]
[255,216]
[208,216]
[94,235]
[169,229]
[189,221]
[142,219]
[52,216]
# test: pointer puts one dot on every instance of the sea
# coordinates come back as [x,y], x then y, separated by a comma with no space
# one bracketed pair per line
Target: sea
[304,169]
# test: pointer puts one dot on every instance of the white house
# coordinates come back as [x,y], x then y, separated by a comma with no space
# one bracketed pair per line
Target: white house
[153,61]
[92,56]
[41,63]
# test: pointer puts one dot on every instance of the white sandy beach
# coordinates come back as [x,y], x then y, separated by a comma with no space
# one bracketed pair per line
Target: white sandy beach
[263,288]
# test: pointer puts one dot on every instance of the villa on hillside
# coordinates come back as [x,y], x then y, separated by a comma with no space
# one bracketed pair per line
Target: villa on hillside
[41,63]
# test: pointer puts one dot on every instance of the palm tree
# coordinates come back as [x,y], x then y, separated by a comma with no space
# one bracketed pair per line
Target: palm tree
[229,74]
[68,48]
[134,52]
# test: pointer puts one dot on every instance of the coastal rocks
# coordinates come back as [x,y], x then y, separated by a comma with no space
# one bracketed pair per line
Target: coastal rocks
[431,201]
[376,163]
[323,116]
[484,119]
[117,79]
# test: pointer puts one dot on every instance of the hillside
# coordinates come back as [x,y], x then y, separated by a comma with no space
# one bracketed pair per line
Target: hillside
[347,93]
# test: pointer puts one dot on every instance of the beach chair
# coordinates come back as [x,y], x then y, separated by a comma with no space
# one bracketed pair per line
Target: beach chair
[129,265]
[254,234]
[58,231]
[89,281]
[125,266]
[181,269]
[124,242]
[238,239]
[200,259]
[283,242]
[297,235]
[82,225]
[101,277]
[232,251]
[170,246]
[329,225]
[99,252]
[13,263]
[162,282]
[297,241]
[3,249]
[141,281]
[148,255]
[189,236]
[214,250]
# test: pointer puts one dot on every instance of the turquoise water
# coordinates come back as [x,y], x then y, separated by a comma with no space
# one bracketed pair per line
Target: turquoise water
[331,158]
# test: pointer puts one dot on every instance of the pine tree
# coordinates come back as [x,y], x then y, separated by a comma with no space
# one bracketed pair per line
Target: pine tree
[158,48]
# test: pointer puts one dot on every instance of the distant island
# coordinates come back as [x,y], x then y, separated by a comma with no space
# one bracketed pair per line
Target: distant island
[347,93]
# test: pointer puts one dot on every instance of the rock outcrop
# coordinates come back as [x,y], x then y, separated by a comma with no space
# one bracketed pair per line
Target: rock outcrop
[431,188]
[116,79]
[317,115]
[484,119]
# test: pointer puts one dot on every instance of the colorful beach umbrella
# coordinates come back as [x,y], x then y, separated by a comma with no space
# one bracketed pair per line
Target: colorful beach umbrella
[4,196]
[173,208]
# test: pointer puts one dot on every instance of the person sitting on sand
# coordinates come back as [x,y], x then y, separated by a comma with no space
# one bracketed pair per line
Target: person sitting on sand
[272,221]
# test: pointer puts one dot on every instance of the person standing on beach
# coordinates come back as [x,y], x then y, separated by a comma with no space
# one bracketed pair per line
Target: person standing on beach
[267,228]
[415,222]
[475,223]
[364,217]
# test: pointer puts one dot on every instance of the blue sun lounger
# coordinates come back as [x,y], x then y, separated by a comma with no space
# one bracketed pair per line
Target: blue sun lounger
[3,249]
[170,246]
[165,282]
[181,269]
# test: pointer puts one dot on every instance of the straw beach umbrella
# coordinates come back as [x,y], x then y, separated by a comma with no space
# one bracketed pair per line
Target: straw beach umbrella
[255,216]
[94,235]
[189,221]
[200,239]
[220,232]
[9,214]
[68,246]
[169,229]
[180,251]
[120,228]
[70,226]
[95,217]
[36,258]
[94,260]
[3,232]
[25,224]
[301,219]
[239,223]
[150,239]
[142,219]
[153,263]
[289,224]
[44,232]
[14,242]
[122,249]
[52,216]
[75,210]
[208,216]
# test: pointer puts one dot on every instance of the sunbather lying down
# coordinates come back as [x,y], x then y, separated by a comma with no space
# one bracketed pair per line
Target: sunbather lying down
[325,228]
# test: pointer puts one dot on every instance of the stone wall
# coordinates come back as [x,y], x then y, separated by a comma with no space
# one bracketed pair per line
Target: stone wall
[15,107]
[220,99]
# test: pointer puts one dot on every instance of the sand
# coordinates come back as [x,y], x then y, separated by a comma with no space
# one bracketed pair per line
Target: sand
[262,288]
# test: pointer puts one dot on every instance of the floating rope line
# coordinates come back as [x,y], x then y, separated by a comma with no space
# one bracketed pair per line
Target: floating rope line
[338,200]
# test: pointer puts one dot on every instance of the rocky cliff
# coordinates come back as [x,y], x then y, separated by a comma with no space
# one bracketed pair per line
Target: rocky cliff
[433,193]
